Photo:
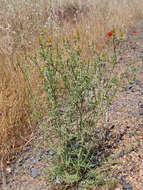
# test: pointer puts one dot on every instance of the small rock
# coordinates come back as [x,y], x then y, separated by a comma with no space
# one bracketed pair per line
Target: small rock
[141,111]
[40,158]
[130,86]
[51,152]
[127,187]
[20,162]
[35,173]
[31,186]
[137,115]
[8,187]
[8,169]
[43,186]
[122,180]
[56,181]
[121,59]
[127,115]
[34,156]
[132,103]
[27,165]
[26,149]
[140,105]
[31,161]
[22,181]
[28,171]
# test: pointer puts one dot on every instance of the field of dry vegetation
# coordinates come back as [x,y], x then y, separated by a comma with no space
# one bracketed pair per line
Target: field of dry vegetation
[21,23]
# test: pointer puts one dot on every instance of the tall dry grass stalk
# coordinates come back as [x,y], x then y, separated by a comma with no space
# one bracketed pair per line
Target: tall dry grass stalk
[21,22]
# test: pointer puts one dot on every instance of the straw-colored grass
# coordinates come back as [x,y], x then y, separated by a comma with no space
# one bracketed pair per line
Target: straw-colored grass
[20,25]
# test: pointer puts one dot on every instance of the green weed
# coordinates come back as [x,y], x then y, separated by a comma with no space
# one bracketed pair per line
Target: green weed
[78,93]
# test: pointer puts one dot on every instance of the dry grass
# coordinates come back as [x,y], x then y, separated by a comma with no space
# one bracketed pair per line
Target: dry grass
[15,123]
[21,23]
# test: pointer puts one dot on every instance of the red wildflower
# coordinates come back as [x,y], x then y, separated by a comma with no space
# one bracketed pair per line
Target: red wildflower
[109,34]
[134,32]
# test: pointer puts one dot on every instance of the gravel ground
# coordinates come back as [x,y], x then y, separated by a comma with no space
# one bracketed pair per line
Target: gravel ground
[126,115]
[26,171]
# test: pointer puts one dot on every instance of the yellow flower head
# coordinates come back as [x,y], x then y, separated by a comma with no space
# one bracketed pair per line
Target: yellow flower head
[40,40]
[114,31]
[42,32]
[76,36]
[17,60]
[122,35]
[103,55]
[25,53]
[64,40]
[50,40]
[7,94]
[78,33]
[78,48]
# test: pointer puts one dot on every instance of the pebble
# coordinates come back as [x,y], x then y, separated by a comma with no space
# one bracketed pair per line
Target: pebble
[26,149]
[130,86]
[32,161]
[20,162]
[140,111]
[127,187]
[128,115]
[40,158]
[132,103]
[35,173]
[51,152]
[22,181]
[137,115]
[8,187]
[28,171]
[30,186]
[27,165]
[56,181]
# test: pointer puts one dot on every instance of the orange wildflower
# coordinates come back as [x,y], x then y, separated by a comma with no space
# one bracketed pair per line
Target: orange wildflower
[109,34]
[134,32]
